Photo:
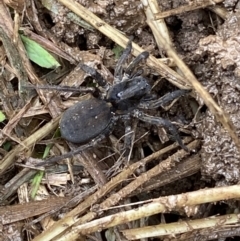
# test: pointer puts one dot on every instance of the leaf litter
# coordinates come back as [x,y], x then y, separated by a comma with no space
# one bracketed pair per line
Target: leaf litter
[159,177]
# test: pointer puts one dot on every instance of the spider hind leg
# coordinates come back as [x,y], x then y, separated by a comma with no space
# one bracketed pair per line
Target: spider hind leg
[158,121]
[169,97]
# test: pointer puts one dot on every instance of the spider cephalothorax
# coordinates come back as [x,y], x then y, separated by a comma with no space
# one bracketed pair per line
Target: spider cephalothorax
[89,121]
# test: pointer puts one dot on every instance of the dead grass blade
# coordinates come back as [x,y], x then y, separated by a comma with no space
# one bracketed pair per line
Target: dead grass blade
[14,213]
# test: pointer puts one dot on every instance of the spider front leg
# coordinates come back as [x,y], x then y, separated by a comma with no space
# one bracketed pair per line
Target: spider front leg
[118,73]
[158,121]
[94,74]
[130,69]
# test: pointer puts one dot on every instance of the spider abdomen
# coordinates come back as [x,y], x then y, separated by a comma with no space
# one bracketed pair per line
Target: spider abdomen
[85,120]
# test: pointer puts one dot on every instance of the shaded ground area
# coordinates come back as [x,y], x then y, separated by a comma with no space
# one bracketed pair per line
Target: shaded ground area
[118,187]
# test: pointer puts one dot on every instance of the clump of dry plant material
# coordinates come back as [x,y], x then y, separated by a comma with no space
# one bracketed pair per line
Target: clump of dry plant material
[158,190]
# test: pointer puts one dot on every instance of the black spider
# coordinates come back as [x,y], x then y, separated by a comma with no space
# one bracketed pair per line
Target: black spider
[89,121]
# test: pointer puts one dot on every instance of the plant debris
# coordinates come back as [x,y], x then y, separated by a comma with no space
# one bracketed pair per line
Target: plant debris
[101,193]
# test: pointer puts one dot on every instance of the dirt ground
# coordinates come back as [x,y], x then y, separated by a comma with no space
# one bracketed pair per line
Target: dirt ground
[100,183]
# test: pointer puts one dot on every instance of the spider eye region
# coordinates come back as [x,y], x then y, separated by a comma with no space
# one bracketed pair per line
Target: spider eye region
[85,120]
[120,94]
[133,88]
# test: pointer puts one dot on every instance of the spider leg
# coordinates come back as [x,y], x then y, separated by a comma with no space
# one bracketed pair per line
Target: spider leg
[129,71]
[153,104]
[128,138]
[93,142]
[61,88]
[118,72]
[160,122]
[94,74]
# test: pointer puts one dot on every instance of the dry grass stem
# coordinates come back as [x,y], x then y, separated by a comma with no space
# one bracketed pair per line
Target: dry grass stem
[18,5]
[186,8]
[162,167]
[151,8]
[184,168]
[163,204]
[14,121]
[181,227]
[9,159]
[69,220]
[220,11]
[209,234]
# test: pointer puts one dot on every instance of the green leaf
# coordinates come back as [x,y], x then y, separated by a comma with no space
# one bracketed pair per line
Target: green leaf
[2,116]
[7,145]
[38,54]
[38,177]
[36,183]
[117,50]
